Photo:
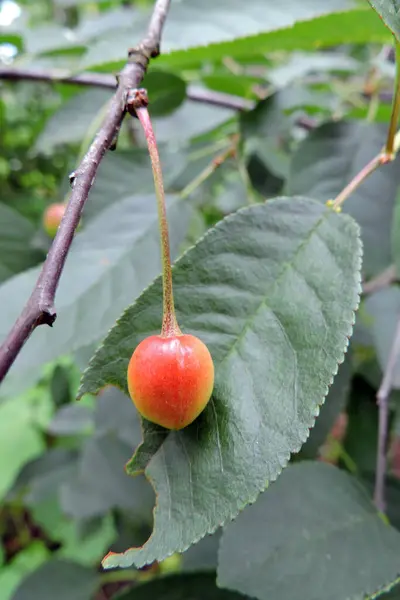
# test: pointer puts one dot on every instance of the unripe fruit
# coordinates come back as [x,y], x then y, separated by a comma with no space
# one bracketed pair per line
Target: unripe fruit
[170,379]
[170,376]
[52,218]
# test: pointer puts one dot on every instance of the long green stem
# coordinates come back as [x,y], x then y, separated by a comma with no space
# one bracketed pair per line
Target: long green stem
[170,325]
[394,119]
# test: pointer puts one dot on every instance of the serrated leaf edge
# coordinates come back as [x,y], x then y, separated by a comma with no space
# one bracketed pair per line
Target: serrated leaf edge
[109,560]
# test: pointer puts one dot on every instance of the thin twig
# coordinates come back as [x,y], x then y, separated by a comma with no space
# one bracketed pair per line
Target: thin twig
[381,281]
[365,172]
[383,407]
[394,117]
[107,81]
[40,306]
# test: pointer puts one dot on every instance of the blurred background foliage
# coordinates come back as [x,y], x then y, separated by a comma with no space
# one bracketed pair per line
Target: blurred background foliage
[244,110]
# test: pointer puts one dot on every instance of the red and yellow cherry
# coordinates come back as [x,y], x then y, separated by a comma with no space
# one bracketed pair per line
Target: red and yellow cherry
[52,218]
[170,376]
[170,379]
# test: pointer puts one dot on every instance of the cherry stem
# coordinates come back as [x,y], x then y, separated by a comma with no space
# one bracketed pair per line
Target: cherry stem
[170,325]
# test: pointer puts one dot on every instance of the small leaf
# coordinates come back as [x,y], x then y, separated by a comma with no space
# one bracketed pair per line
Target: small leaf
[166,92]
[314,523]
[327,161]
[266,289]
[59,579]
[389,11]
[181,587]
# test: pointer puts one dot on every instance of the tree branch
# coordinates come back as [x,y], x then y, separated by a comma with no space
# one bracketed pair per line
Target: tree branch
[383,406]
[40,306]
[105,80]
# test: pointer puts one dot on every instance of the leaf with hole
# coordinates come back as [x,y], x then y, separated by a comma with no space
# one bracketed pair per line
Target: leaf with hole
[266,290]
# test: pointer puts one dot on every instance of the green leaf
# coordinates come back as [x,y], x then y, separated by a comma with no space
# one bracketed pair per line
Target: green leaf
[70,123]
[361,440]
[122,172]
[203,555]
[166,91]
[101,484]
[71,419]
[104,272]
[16,235]
[41,478]
[266,289]
[181,587]
[191,120]
[19,431]
[59,579]
[389,11]
[196,33]
[314,523]
[85,548]
[327,161]
[24,562]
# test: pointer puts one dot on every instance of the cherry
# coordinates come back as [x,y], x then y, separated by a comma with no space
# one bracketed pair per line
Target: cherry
[170,376]
[170,379]
[52,218]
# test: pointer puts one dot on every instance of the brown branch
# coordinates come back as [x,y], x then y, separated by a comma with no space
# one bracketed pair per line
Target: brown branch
[104,80]
[387,277]
[383,406]
[40,306]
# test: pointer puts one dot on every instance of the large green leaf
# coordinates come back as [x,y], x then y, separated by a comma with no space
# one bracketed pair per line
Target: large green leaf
[196,32]
[104,272]
[314,534]
[266,289]
[327,161]
[181,587]
[59,579]
[16,234]
[389,11]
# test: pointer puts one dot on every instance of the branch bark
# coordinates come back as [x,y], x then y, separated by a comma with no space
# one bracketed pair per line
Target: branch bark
[383,406]
[105,80]
[40,307]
